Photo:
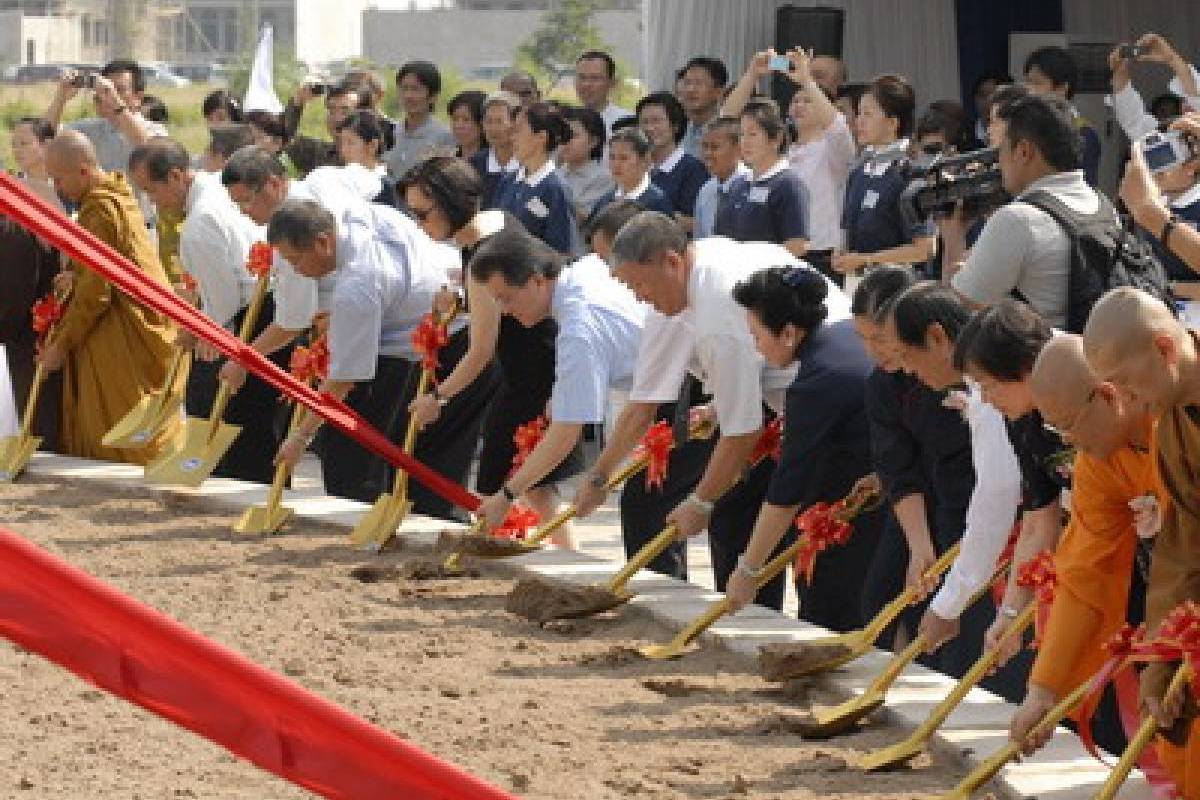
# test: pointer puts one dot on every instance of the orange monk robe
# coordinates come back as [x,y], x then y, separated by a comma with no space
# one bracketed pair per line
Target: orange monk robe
[116,351]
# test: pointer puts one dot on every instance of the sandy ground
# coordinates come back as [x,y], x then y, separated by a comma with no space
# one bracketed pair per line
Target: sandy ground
[558,712]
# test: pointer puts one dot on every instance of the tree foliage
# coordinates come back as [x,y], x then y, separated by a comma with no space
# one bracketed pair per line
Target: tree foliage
[567,29]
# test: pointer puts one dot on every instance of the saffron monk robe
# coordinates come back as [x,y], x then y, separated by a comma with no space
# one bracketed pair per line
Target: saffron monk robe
[112,351]
[1135,341]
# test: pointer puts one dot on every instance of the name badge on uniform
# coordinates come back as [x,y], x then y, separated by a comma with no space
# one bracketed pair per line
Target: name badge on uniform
[537,207]
[870,198]
[758,194]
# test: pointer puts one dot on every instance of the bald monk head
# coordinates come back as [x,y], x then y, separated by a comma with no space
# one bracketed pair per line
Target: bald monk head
[1089,413]
[1134,341]
[71,162]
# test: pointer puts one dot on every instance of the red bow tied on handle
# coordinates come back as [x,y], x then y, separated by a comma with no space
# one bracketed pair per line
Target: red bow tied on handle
[656,449]
[1038,574]
[310,363]
[517,522]
[1178,639]
[823,525]
[769,444]
[46,312]
[429,338]
[262,255]
[526,438]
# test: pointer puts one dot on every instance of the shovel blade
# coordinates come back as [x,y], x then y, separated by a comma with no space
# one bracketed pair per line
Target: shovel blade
[896,755]
[144,421]
[663,652]
[15,452]
[262,519]
[191,464]
[379,524]
[830,722]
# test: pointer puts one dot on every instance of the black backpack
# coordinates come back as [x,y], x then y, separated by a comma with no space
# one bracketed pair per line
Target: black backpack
[1105,254]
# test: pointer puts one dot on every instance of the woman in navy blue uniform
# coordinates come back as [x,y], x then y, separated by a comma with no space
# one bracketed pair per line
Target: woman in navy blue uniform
[495,160]
[875,230]
[826,441]
[537,195]
[629,163]
[465,110]
[679,174]
[770,204]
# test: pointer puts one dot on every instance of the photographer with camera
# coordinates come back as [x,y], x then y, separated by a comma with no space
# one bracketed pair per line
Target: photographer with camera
[1128,106]
[118,127]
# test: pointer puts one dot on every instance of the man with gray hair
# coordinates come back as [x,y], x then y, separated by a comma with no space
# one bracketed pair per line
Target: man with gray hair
[385,272]
[214,247]
[693,282]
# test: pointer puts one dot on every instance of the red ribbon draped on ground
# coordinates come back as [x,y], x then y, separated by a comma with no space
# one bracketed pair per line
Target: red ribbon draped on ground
[1039,575]
[769,444]
[135,652]
[429,338]
[46,312]
[517,522]
[46,221]
[656,449]
[262,256]
[526,438]
[310,364]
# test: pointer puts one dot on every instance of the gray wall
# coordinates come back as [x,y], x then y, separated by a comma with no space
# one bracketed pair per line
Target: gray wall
[467,39]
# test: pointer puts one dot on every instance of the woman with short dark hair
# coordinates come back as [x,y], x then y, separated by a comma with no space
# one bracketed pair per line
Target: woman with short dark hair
[629,166]
[466,121]
[579,160]
[678,173]
[362,138]
[826,445]
[443,194]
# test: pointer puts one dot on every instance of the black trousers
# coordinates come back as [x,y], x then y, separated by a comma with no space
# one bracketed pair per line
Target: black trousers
[448,445]
[731,526]
[257,407]
[348,469]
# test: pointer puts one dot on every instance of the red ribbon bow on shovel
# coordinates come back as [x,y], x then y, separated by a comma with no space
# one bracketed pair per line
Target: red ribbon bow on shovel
[46,312]
[428,339]
[769,444]
[526,438]
[1038,574]
[517,522]
[656,449]
[311,363]
[262,255]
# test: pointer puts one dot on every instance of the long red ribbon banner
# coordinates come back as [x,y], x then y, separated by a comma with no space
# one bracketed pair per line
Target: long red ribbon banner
[138,653]
[46,221]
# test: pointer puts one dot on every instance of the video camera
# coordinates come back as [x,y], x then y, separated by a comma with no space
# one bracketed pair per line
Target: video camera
[939,183]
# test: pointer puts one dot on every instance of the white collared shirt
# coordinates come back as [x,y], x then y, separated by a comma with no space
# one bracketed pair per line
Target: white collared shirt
[494,165]
[599,327]
[991,511]
[708,197]
[638,190]
[214,246]
[720,349]
[611,113]
[537,177]
[387,272]
[298,298]
[670,162]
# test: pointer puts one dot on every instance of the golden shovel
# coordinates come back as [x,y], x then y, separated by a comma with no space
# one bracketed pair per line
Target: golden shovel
[1141,740]
[15,451]
[831,652]
[902,752]
[152,412]
[205,441]
[994,763]
[379,524]
[269,518]
[483,545]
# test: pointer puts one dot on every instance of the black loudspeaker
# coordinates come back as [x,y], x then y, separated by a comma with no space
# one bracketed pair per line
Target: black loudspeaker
[1091,63]
[816,28]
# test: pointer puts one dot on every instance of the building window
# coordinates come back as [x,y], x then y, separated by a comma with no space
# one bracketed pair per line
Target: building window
[85,26]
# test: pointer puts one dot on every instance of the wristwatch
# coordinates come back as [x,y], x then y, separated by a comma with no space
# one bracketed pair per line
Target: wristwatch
[1008,612]
[598,480]
[437,395]
[704,505]
[751,572]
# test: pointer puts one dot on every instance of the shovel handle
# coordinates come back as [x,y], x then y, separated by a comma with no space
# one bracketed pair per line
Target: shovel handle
[888,614]
[252,310]
[275,496]
[642,557]
[897,665]
[701,623]
[35,391]
[1141,740]
[224,392]
[975,674]
[400,483]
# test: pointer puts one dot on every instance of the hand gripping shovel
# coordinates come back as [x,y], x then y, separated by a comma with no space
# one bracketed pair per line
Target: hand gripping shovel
[206,440]
[994,763]
[15,451]
[796,659]
[829,722]
[271,516]
[152,412]
[680,644]
[1141,740]
[903,752]
[486,546]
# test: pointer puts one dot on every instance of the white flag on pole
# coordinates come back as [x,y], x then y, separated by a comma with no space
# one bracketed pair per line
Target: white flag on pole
[260,94]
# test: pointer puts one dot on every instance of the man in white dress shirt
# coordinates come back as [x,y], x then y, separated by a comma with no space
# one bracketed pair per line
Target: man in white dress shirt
[693,282]
[214,247]
[386,272]
[599,326]
[924,324]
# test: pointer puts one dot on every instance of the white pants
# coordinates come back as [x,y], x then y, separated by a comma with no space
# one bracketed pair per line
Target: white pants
[8,404]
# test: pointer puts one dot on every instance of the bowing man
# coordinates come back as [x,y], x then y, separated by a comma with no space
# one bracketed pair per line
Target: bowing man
[599,327]
[652,255]
[826,438]
[386,273]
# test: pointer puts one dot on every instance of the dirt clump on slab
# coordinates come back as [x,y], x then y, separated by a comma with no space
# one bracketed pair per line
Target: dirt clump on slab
[562,712]
[541,599]
[785,660]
